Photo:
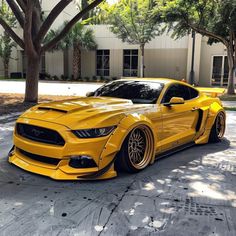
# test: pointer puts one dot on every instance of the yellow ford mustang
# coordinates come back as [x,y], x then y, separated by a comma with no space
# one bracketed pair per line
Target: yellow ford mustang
[123,125]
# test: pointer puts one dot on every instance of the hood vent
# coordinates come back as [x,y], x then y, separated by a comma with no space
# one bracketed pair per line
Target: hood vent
[51,109]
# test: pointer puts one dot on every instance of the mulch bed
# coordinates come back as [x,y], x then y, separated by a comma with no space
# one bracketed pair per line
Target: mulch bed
[10,103]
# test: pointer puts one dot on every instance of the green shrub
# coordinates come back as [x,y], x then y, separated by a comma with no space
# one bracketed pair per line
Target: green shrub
[94,78]
[55,77]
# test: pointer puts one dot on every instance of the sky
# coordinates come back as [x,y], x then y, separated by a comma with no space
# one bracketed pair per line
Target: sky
[111,1]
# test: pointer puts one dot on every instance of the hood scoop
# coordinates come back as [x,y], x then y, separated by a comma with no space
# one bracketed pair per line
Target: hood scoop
[51,109]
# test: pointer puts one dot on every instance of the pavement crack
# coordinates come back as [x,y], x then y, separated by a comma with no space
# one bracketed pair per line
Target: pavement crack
[116,205]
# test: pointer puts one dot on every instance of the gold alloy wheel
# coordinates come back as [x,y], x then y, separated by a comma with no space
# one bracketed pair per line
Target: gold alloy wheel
[220,125]
[140,147]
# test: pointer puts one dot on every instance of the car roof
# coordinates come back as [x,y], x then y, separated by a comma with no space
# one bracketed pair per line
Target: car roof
[159,80]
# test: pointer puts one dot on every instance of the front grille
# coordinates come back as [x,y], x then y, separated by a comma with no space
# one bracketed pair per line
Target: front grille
[39,134]
[39,158]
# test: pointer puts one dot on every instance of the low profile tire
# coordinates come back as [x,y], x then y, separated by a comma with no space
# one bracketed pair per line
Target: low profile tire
[136,151]
[218,129]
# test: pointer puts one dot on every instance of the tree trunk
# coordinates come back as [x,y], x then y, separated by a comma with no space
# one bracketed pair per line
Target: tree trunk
[6,70]
[232,68]
[76,61]
[142,61]
[32,77]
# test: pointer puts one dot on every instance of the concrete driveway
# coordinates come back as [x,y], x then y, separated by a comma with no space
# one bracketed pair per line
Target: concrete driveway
[190,193]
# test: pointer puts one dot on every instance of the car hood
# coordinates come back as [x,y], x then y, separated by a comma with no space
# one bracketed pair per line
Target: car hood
[85,112]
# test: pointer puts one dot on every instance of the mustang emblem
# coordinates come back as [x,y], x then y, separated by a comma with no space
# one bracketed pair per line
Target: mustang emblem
[36,132]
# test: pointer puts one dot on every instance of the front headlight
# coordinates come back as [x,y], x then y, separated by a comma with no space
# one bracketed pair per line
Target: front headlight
[93,133]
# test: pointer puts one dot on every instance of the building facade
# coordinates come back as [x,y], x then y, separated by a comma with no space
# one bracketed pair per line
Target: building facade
[164,57]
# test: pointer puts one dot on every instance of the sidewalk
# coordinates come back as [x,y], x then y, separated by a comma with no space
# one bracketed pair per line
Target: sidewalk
[229,104]
[52,88]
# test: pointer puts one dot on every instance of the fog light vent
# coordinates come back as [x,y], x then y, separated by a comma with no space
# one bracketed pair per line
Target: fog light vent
[82,162]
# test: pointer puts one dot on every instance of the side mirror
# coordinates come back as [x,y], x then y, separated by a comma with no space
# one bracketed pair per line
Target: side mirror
[175,101]
[89,94]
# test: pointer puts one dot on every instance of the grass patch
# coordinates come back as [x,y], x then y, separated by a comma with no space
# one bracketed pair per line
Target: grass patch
[230,108]
[11,79]
[226,97]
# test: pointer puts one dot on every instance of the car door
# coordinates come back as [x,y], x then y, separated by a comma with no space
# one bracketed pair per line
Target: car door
[178,120]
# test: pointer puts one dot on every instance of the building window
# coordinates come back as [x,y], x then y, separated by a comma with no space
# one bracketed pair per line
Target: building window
[130,63]
[220,71]
[103,63]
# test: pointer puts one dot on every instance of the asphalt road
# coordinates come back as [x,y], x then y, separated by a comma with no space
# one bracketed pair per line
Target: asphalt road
[190,193]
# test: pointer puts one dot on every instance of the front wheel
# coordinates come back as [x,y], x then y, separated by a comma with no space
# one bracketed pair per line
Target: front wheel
[218,129]
[137,150]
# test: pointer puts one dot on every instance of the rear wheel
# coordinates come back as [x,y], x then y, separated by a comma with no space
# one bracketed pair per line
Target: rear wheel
[136,151]
[218,129]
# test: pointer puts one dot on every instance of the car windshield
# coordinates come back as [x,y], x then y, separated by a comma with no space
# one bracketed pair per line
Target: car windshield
[141,92]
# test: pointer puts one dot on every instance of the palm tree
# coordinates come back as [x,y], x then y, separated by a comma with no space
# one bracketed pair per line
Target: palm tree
[78,38]
[6,43]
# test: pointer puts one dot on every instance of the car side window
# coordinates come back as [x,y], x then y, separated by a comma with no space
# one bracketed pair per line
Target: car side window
[176,90]
[193,93]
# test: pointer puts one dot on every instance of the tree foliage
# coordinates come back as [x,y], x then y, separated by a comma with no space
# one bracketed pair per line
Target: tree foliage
[77,38]
[6,43]
[78,34]
[134,22]
[215,19]
[35,28]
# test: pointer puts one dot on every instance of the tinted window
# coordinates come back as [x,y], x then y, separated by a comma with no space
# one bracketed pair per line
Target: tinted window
[141,92]
[130,63]
[176,90]
[179,90]
[103,63]
[193,93]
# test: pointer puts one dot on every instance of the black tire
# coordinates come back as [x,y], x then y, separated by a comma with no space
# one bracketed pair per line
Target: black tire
[123,161]
[218,128]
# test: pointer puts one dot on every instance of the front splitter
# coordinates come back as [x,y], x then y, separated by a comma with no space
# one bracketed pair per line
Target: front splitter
[58,174]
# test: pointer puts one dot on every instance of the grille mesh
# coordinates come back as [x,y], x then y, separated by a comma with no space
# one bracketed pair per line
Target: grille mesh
[39,134]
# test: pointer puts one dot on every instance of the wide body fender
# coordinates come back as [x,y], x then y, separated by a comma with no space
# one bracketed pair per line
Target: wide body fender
[213,110]
[116,140]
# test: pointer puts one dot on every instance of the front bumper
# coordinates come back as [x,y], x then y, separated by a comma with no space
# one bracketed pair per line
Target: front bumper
[74,146]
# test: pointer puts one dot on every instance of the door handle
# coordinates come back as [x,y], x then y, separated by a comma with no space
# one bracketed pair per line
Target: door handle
[195,108]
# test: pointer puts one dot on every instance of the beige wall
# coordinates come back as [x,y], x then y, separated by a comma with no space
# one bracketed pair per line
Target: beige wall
[169,63]
[197,57]
[55,63]
[116,63]
[164,57]
[68,13]
[88,63]
[207,52]
[158,62]
[12,64]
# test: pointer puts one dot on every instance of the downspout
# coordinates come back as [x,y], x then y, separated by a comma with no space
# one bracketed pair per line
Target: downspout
[191,76]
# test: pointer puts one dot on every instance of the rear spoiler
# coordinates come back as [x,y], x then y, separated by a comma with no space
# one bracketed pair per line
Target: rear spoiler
[212,92]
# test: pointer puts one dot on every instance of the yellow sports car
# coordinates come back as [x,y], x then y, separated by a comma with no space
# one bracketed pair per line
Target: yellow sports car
[124,125]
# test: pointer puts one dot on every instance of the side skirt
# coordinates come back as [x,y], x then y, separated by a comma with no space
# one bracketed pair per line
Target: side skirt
[174,150]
